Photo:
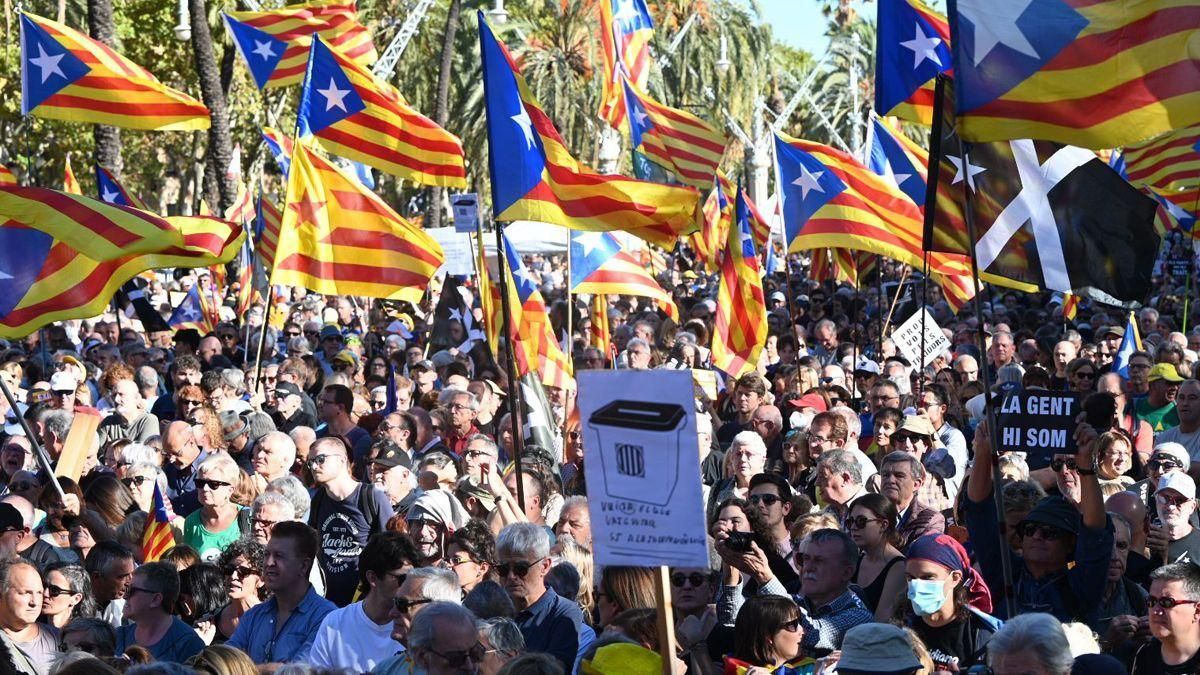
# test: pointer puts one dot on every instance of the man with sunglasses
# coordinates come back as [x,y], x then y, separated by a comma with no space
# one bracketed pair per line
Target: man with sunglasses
[288,410]
[771,496]
[444,640]
[1172,538]
[1174,622]
[420,588]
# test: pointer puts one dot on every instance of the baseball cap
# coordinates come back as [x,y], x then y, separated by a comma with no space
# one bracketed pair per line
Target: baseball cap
[469,486]
[1112,330]
[1058,512]
[919,425]
[495,388]
[865,365]
[12,425]
[286,389]
[1179,482]
[877,648]
[63,381]
[10,518]
[778,297]
[346,357]
[232,424]
[810,401]
[331,331]
[1164,371]
[392,456]
[1173,450]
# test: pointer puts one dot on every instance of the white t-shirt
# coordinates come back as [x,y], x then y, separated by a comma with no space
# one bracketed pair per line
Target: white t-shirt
[1191,441]
[349,639]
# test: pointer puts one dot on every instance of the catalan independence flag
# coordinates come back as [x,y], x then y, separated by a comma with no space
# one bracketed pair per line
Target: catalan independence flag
[6,176]
[626,30]
[1091,73]
[157,538]
[267,220]
[599,265]
[339,238]
[70,183]
[676,140]
[66,75]
[599,329]
[912,47]
[1167,163]
[1070,306]
[112,192]
[534,176]
[275,43]
[280,146]
[740,328]
[356,115]
[195,311]
[716,214]
[535,348]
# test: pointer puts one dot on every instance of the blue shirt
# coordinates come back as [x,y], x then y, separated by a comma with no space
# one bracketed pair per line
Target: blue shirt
[177,645]
[553,625]
[181,486]
[258,636]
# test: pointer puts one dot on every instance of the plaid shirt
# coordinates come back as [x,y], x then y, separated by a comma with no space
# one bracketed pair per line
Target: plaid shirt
[824,626]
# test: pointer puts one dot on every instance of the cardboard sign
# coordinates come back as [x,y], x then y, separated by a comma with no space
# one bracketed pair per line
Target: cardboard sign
[1179,268]
[643,472]
[907,337]
[78,443]
[1039,423]
[466,211]
[460,257]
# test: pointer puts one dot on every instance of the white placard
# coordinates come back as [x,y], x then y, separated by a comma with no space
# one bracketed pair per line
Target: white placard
[466,211]
[459,255]
[907,337]
[643,471]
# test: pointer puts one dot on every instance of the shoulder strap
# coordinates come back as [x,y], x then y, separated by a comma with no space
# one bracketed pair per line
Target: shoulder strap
[368,505]
[314,506]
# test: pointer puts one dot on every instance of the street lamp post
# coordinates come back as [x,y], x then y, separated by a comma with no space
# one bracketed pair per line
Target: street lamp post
[183,31]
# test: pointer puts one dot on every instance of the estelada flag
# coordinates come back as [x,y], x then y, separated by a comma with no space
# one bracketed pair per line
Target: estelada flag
[626,30]
[535,348]
[112,191]
[1092,73]
[599,265]
[70,183]
[534,176]
[339,238]
[66,75]
[681,143]
[912,48]
[356,115]
[157,538]
[740,325]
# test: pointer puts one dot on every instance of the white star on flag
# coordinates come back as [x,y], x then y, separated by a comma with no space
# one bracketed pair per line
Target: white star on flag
[263,49]
[640,116]
[625,11]
[590,241]
[971,170]
[109,196]
[334,97]
[49,64]
[808,181]
[995,23]
[526,124]
[923,47]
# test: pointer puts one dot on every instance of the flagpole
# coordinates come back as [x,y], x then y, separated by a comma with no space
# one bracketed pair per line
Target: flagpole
[984,366]
[1187,289]
[879,302]
[570,350]
[38,452]
[518,407]
[899,289]
[921,307]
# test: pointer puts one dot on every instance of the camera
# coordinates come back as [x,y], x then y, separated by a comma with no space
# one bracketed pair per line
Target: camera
[739,541]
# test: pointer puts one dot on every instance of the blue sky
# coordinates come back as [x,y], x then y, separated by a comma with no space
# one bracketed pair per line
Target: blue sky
[799,23]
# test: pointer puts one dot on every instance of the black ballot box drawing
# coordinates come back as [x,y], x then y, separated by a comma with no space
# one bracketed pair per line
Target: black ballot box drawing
[638,446]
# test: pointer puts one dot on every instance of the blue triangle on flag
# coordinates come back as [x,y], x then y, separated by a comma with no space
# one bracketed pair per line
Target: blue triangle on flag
[589,252]
[261,50]
[807,186]
[109,191]
[46,66]
[23,253]
[328,96]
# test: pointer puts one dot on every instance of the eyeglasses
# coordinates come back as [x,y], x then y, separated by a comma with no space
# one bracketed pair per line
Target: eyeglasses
[190,401]
[458,407]
[459,659]
[695,579]
[459,560]
[55,591]
[790,626]
[1167,602]
[213,485]
[136,481]
[477,453]
[19,487]
[292,333]
[405,606]
[819,440]
[242,571]
[859,522]
[319,460]
[1088,375]
[1047,532]
[262,522]
[521,568]
[766,499]
[1058,464]
[138,589]
[1167,500]
[1163,465]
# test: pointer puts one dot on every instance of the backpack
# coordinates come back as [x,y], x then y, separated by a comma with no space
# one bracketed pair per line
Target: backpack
[367,504]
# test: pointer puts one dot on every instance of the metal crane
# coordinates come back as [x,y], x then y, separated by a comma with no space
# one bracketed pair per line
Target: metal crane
[387,63]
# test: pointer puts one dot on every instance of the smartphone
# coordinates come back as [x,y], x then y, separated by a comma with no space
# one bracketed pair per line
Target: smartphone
[1101,411]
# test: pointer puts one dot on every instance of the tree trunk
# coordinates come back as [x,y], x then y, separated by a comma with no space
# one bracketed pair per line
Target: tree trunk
[220,189]
[441,114]
[108,138]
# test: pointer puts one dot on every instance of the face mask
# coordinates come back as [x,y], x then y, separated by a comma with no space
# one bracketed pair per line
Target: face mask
[801,420]
[926,595]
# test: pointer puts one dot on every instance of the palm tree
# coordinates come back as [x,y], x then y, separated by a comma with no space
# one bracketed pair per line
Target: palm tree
[108,138]
[219,188]
[441,114]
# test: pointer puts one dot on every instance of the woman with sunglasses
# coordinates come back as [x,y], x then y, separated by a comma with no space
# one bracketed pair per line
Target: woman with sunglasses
[67,594]
[767,635]
[1081,376]
[241,563]
[880,571]
[214,526]
[141,479]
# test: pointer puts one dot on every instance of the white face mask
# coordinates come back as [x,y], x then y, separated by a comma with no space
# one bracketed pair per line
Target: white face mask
[801,420]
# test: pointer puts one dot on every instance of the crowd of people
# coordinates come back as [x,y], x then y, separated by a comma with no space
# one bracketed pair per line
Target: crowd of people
[347,502]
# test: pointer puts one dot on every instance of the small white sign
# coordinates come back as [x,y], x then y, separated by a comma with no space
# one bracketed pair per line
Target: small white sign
[643,473]
[466,211]
[907,337]
[460,257]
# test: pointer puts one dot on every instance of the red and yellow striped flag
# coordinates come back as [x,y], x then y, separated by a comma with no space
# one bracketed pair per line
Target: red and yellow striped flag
[1070,306]
[740,329]
[70,183]
[6,176]
[626,30]
[266,229]
[275,42]
[535,347]
[356,115]
[338,238]
[601,334]
[1167,163]
[674,139]
[716,212]
[66,75]
[157,538]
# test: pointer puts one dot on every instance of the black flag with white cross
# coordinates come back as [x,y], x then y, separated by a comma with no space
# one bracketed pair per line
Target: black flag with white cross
[1050,216]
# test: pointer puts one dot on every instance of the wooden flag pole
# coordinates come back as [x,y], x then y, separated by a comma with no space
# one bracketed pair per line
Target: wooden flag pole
[667,644]
[518,401]
[879,303]
[899,289]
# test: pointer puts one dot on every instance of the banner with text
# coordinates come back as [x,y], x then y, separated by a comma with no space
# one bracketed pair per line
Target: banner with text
[1039,423]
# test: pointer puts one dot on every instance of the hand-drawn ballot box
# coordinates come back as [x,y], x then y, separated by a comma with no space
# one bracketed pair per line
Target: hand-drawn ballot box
[638,446]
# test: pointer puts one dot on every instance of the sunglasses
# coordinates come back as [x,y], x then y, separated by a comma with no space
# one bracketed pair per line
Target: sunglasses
[1167,500]
[136,481]
[1163,465]
[19,487]
[459,659]
[55,591]
[292,333]
[1047,532]
[242,571]
[319,460]
[190,401]
[766,500]
[1089,376]
[1058,464]
[405,606]
[859,522]
[1167,602]
[211,484]
[521,568]
[695,579]
[792,626]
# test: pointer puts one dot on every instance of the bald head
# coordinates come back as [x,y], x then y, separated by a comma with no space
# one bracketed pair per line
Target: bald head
[23,505]
[179,445]
[1130,505]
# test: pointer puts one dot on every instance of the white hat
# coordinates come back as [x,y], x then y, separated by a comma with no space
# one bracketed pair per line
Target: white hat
[868,366]
[1175,451]
[1179,482]
[63,381]
[12,426]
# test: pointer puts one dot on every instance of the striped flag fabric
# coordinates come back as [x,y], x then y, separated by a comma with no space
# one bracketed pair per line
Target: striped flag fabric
[275,43]
[740,326]
[267,220]
[195,311]
[535,348]
[716,214]
[157,538]
[1070,306]
[599,331]
[1171,216]
[626,30]
[356,115]
[600,265]
[685,145]
[534,177]
[280,146]
[1168,163]
[248,291]
[760,227]
[70,183]
[112,192]
[339,238]
[6,176]
[66,75]
[242,211]
[912,48]
[1091,73]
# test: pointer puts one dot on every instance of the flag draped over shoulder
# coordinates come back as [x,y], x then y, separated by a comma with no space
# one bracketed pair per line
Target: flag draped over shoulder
[912,48]
[157,538]
[339,238]
[534,177]
[626,30]
[600,265]
[66,75]
[356,115]
[535,348]
[676,140]
[274,43]
[740,328]
[1092,73]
